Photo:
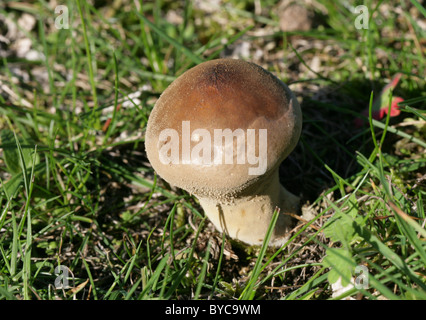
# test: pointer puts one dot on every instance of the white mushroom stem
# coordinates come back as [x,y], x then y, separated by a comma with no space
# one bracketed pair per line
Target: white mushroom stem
[247,218]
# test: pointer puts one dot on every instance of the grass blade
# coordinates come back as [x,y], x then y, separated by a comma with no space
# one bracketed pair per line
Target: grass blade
[89,61]
[202,275]
[419,7]
[249,291]
[377,244]
[194,58]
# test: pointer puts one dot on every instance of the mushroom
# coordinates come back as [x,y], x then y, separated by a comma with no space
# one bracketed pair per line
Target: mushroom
[220,132]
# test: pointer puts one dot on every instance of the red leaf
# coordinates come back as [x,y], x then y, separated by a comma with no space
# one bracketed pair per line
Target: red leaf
[380,105]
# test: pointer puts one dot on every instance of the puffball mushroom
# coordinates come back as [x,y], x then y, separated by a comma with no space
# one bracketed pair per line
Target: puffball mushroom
[220,132]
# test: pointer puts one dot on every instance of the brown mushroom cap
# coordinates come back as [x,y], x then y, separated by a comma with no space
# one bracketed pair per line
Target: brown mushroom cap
[221,94]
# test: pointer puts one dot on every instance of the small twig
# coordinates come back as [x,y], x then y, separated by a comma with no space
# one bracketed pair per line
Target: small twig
[300,219]
[418,181]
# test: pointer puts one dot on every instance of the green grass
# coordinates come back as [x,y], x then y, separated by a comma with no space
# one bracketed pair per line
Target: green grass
[76,188]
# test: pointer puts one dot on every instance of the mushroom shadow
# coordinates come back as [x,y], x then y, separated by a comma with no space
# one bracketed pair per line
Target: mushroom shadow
[331,138]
